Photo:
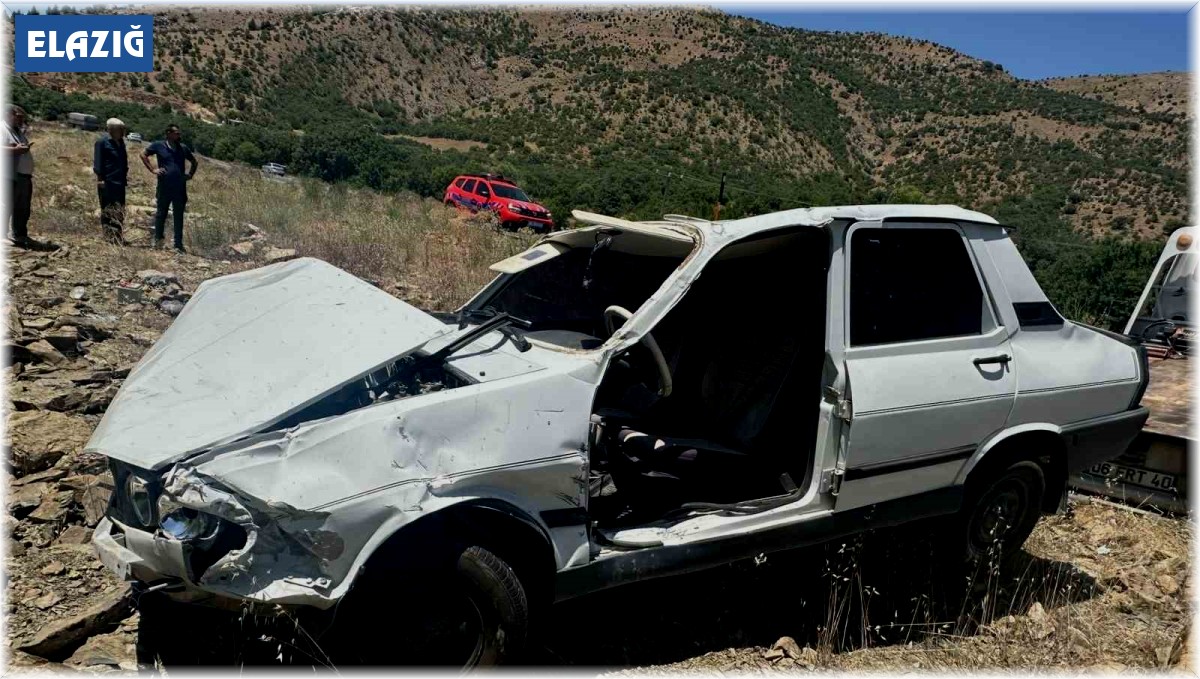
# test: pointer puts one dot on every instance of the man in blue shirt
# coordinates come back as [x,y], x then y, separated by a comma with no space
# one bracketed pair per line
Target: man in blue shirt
[172,182]
[110,163]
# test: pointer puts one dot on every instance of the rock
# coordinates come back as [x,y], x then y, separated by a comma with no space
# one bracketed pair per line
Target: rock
[1042,626]
[157,278]
[107,610]
[96,329]
[774,654]
[94,498]
[274,254]
[53,508]
[48,475]
[46,601]
[15,548]
[45,352]
[1078,638]
[74,535]
[64,338]
[77,482]
[117,649]
[1163,655]
[47,394]
[25,499]
[242,249]
[79,292]
[43,272]
[40,323]
[40,438]
[99,399]
[54,568]
[1167,584]
[789,647]
[171,307]
[39,534]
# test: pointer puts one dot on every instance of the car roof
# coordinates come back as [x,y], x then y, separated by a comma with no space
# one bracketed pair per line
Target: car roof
[861,213]
[809,216]
[486,178]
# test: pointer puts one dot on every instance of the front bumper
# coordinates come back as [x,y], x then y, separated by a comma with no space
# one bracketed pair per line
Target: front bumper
[150,561]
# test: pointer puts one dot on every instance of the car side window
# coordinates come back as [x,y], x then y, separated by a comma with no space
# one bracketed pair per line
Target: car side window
[483,190]
[458,183]
[913,284]
[469,187]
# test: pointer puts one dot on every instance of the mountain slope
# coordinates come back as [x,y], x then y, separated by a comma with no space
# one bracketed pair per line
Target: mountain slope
[654,105]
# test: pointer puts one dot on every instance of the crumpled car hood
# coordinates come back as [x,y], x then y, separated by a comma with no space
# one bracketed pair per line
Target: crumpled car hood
[249,350]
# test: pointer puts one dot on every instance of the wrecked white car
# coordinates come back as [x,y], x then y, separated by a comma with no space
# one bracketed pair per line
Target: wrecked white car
[624,401]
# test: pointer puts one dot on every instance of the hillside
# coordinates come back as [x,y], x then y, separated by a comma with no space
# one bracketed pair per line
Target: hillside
[1165,92]
[1100,587]
[806,116]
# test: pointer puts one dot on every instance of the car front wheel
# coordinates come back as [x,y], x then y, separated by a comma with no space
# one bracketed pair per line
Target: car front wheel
[468,611]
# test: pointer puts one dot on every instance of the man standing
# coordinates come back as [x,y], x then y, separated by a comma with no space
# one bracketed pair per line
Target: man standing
[21,166]
[172,182]
[110,163]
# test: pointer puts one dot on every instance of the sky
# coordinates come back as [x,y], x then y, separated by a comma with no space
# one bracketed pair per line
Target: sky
[1029,45]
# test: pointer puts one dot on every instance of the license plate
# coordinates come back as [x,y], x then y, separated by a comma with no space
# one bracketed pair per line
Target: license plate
[1132,475]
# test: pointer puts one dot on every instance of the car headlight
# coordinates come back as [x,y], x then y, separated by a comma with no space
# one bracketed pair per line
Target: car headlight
[514,207]
[186,523]
[138,493]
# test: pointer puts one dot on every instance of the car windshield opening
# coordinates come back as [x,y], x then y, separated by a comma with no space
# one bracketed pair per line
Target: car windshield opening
[510,192]
[564,297]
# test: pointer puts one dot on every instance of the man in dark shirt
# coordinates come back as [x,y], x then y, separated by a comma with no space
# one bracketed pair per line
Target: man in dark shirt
[110,163]
[172,182]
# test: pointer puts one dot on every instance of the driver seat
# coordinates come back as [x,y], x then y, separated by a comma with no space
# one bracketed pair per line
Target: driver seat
[709,450]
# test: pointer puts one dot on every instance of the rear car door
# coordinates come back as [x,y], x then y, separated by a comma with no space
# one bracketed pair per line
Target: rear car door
[928,363]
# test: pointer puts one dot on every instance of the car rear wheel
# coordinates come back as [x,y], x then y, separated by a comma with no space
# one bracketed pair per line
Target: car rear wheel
[1001,513]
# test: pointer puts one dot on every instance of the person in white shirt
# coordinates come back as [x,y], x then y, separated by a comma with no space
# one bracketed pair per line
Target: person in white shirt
[21,170]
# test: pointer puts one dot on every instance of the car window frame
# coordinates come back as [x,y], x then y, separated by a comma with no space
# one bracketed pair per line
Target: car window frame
[468,186]
[992,325]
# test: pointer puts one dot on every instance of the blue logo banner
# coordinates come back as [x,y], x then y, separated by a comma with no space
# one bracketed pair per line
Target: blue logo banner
[83,43]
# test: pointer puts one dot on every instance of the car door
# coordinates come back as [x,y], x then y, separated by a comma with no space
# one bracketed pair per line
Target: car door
[484,195]
[928,364]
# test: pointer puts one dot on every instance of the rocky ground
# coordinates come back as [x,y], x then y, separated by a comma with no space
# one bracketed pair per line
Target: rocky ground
[1099,587]
[78,319]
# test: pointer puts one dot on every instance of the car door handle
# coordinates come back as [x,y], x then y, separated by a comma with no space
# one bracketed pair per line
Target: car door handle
[998,358]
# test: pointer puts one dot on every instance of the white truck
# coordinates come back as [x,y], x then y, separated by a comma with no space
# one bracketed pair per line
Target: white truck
[1154,470]
[83,121]
[624,401]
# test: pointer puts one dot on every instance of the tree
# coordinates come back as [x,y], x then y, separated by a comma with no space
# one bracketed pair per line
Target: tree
[248,152]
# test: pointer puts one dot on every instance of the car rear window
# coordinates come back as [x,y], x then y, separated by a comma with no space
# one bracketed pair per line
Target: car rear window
[912,284]
[459,182]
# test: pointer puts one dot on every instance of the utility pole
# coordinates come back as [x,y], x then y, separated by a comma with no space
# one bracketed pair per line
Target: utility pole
[720,200]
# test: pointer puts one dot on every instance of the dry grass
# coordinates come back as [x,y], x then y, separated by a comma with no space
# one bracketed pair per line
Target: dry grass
[437,256]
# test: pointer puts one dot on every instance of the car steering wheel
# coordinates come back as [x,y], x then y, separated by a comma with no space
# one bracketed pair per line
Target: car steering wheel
[664,372]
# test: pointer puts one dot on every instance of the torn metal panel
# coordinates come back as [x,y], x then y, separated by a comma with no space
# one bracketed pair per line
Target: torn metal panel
[248,350]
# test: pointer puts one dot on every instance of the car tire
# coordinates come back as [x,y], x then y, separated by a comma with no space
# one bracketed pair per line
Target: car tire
[467,610]
[1000,512]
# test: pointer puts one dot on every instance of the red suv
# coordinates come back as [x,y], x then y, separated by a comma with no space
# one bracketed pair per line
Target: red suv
[492,192]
